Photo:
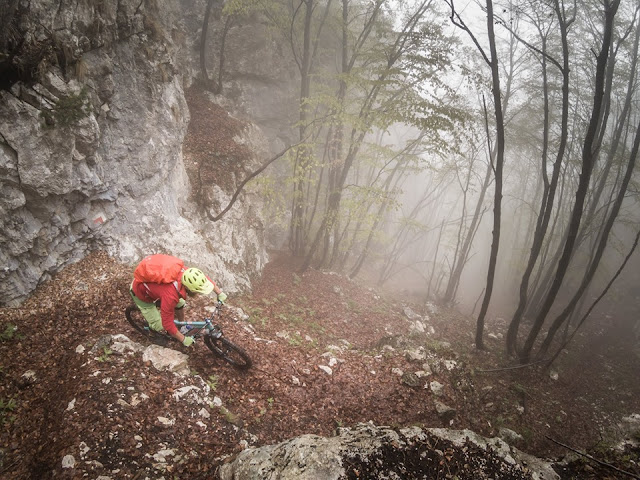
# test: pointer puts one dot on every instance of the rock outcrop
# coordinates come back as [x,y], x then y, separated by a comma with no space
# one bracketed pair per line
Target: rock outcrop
[92,120]
[368,451]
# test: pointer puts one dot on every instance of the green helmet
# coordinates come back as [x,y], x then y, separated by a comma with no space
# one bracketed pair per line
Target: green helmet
[196,281]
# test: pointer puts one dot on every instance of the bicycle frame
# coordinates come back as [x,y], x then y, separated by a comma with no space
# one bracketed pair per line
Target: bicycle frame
[199,326]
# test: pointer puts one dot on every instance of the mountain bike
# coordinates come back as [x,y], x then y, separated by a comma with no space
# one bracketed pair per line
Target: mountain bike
[212,333]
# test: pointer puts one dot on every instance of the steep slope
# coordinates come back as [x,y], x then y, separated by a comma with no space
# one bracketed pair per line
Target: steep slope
[91,406]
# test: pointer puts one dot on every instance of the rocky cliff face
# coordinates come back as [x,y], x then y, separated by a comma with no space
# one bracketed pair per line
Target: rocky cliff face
[92,122]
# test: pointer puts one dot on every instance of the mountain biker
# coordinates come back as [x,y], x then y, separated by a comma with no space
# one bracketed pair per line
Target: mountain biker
[159,302]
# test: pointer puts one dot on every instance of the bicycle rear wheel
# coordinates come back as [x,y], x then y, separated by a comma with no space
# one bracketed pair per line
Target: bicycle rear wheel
[137,321]
[229,352]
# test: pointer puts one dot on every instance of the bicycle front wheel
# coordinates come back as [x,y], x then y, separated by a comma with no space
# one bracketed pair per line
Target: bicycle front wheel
[229,352]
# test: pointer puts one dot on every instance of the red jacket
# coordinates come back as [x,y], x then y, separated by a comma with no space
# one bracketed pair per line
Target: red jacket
[169,295]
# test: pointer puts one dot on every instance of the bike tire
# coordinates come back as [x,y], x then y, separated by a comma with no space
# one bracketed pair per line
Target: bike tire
[229,352]
[137,321]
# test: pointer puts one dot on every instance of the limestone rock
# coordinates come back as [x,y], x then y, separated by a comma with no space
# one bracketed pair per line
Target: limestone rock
[68,461]
[509,435]
[411,379]
[630,426]
[436,388]
[166,359]
[445,412]
[311,457]
[108,172]
[416,355]
[411,315]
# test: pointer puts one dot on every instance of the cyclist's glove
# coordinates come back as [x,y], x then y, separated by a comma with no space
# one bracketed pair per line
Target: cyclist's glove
[222,297]
[187,341]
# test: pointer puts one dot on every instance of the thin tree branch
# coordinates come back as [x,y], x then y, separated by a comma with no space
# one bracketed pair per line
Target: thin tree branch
[586,455]
[505,25]
[458,22]
[597,300]
[246,180]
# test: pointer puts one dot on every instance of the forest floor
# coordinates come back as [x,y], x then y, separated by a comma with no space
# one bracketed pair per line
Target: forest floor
[82,404]
[118,417]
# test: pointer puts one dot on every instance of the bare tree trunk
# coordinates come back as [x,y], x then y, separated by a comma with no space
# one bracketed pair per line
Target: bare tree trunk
[621,125]
[593,266]
[460,260]
[337,128]
[497,198]
[589,152]
[492,62]
[203,42]
[544,274]
[358,134]
[548,197]
[298,228]
[227,25]
[435,261]
[597,300]
[303,160]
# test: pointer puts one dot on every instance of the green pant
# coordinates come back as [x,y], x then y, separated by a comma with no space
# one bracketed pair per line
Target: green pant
[151,313]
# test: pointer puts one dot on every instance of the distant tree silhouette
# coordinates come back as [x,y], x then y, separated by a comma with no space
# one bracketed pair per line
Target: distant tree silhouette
[589,152]
[550,186]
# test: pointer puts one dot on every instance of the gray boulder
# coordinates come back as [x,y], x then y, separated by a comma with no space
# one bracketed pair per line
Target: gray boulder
[445,412]
[381,452]
[630,426]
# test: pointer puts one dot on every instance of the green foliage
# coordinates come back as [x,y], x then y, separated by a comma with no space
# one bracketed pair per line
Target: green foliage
[278,17]
[353,306]
[9,333]
[7,406]
[437,346]
[527,434]
[604,446]
[393,81]
[105,357]
[270,189]
[230,417]
[68,110]
[499,421]
[516,387]
[213,382]
[296,315]
[316,327]
[255,315]
[295,340]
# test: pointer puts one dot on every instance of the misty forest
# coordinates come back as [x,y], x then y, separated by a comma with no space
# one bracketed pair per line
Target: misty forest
[425,215]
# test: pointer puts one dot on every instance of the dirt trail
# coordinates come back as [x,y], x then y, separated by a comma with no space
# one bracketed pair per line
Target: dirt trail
[82,404]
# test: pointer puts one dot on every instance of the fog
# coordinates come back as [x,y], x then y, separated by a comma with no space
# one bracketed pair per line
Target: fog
[439,116]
